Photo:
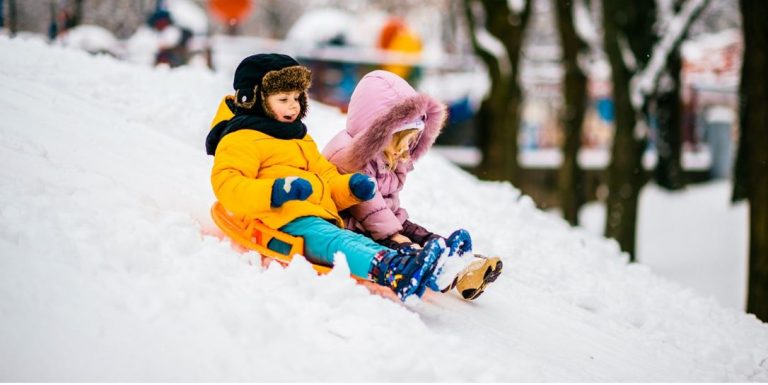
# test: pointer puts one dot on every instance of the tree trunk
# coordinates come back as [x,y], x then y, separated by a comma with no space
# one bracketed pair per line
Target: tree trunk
[512,34]
[53,24]
[625,172]
[570,177]
[668,110]
[499,116]
[628,25]
[668,172]
[488,118]
[12,17]
[2,15]
[77,14]
[751,173]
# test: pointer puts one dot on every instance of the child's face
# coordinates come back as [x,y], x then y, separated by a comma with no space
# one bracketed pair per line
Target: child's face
[399,147]
[285,105]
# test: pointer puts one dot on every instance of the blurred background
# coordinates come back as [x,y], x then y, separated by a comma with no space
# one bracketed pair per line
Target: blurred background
[572,101]
[430,44]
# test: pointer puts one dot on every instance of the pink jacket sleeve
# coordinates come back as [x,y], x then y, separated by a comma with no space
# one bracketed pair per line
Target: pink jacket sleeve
[375,215]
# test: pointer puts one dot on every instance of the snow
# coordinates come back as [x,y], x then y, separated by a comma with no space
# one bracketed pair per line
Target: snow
[169,37]
[700,49]
[142,46]
[720,114]
[627,56]
[451,87]
[289,183]
[112,270]
[588,158]
[516,6]
[90,38]
[320,26]
[699,227]
[593,61]
[189,15]
[585,26]
[491,44]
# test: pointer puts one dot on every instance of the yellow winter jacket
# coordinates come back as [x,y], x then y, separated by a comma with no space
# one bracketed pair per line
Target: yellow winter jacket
[247,162]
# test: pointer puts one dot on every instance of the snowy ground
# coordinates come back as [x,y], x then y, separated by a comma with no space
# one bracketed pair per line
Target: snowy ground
[111,269]
[696,237]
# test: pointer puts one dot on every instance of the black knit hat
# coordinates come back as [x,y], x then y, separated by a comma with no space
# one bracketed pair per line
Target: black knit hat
[261,75]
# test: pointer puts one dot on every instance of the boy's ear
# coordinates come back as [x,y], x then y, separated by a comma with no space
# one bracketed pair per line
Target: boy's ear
[245,98]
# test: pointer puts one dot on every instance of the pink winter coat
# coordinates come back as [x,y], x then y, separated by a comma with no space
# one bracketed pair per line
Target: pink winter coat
[381,104]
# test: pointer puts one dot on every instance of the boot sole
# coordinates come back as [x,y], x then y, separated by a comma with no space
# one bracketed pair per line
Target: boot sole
[490,275]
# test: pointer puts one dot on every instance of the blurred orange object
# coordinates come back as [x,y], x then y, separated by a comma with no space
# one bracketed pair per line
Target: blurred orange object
[392,27]
[397,37]
[230,11]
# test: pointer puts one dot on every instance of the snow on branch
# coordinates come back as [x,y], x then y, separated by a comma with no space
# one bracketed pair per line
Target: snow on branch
[585,26]
[645,82]
[590,60]
[664,10]
[516,6]
[627,56]
[489,43]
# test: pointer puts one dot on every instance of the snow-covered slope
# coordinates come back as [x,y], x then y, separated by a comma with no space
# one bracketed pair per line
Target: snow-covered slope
[111,269]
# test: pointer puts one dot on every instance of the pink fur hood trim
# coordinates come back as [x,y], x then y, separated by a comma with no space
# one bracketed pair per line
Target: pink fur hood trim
[381,103]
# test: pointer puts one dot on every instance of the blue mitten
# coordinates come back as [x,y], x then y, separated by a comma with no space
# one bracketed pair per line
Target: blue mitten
[289,189]
[362,186]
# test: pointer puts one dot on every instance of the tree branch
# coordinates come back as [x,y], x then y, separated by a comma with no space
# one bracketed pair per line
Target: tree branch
[645,82]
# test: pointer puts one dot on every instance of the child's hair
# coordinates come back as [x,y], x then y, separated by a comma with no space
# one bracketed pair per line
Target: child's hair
[399,140]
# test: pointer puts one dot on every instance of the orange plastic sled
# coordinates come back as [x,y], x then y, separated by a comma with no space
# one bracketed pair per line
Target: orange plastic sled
[255,235]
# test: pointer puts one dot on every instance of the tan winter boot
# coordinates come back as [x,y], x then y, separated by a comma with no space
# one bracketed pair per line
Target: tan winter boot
[471,281]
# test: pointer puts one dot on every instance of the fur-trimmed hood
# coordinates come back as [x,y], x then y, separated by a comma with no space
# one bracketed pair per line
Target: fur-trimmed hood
[381,103]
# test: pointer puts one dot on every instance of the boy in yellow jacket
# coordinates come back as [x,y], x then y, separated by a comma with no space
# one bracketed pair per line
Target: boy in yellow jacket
[267,167]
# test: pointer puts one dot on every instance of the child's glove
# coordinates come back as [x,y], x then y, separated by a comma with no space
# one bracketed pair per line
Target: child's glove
[362,186]
[289,189]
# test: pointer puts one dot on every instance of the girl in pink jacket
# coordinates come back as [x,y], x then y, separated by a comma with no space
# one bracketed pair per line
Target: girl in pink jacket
[389,127]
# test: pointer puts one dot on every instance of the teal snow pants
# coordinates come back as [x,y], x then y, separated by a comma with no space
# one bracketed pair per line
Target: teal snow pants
[322,240]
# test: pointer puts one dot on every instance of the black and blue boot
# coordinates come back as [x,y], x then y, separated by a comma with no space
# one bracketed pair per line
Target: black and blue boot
[459,242]
[452,262]
[406,273]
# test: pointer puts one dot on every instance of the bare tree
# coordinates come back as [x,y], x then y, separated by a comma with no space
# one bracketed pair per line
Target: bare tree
[12,17]
[666,105]
[751,173]
[628,44]
[570,176]
[497,39]
[77,13]
[638,59]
